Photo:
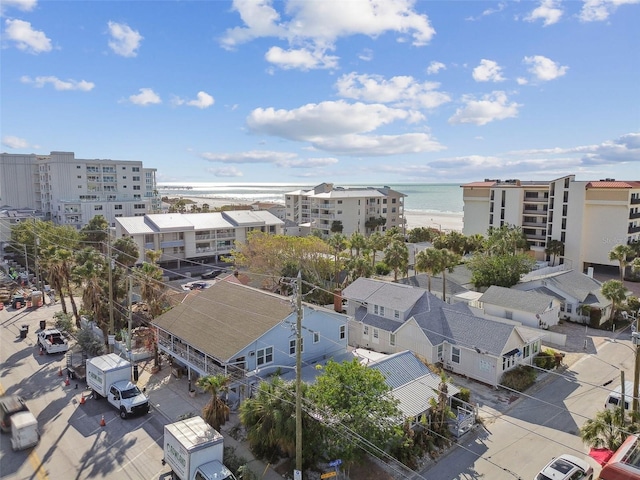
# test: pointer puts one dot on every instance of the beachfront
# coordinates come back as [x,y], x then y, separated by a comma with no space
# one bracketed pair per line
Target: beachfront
[446,222]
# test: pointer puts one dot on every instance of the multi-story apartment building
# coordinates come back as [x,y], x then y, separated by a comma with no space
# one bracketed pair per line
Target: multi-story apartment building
[71,191]
[200,237]
[363,210]
[588,217]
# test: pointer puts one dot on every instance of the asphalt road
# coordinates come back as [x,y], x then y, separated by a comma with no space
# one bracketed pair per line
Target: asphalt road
[73,444]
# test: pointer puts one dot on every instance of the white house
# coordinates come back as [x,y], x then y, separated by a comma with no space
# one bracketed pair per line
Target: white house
[389,317]
[530,308]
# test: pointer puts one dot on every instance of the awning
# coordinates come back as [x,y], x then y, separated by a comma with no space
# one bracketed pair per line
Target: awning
[600,455]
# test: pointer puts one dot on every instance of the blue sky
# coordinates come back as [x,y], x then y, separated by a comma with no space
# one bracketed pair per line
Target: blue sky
[308,91]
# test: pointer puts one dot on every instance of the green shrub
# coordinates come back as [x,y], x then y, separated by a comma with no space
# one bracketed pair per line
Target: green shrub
[519,378]
[382,268]
[545,359]
[63,321]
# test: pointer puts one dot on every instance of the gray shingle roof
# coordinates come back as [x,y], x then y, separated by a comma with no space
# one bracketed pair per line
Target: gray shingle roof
[526,301]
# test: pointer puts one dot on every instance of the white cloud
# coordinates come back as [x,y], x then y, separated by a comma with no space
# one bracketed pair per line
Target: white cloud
[124,40]
[489,11]
[494,106]
[399,91]
[301,58]
[324,119]
[226,172]
[548,11]
[488,71]
[599,10]
[58,84]
[315,26]
[281,159]
[24,5]
[378,145]
[435,67]
[146,97]
[543,68]
[203,100]
[10,141]
[25,37]
[366,55]
[522,81]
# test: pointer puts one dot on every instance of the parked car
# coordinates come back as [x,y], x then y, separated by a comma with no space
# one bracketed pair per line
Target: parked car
[209,274]
[10,405]
[566,467]
[198,285]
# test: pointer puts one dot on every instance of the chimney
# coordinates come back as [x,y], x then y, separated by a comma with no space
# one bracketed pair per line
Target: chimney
[337,300]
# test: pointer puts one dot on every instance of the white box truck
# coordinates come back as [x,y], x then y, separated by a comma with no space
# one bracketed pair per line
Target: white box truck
[24,430]
[194,450]
[109,376]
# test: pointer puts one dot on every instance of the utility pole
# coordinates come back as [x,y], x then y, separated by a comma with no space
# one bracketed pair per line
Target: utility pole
[130,315]
[297,475]
[623,396]
[110,260]
[635,337]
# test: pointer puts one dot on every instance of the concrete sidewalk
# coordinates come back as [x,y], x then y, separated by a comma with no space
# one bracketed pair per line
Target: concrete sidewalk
[170,397]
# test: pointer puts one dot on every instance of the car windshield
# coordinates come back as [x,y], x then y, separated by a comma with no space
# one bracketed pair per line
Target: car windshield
[131,392]
[542,476]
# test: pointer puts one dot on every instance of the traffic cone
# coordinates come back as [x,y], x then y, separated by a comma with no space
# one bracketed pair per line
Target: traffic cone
[41,351]
[60,372]
[102,422]
[82,400]
[67,382]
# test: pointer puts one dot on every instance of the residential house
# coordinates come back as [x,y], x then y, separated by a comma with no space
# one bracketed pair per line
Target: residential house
[234,329]
[574,290]
[71,191]
[530,308]
[390,317]
[458,283]
[588,217]
[200,237]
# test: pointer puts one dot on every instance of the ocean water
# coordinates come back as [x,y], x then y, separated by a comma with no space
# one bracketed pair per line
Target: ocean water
[432,197]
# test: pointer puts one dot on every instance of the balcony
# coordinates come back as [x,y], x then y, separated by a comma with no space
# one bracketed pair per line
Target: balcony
[634,229]
[634,215]
[530,211]
[635,201]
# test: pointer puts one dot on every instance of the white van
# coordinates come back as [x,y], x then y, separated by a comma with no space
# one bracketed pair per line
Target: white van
[24,431]
[613,400]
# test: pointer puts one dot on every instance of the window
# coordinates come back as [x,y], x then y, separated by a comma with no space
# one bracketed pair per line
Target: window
[264,356]
[97,208]
[117,207]
[375,309]
[392,339]
[135,169]
[343,332]
[365,330]
[124,177]
[508,315]
[136,178]
[80,176]
[439,352]
[292,347]
[455,354]
[316,337]
[396,314]
[376,335]
[526,351]
[569,308]
[382,311]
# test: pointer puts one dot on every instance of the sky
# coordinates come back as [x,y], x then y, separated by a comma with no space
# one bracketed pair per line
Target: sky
[342,91]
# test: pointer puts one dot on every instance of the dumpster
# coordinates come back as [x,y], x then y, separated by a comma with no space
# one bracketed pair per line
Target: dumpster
[43,324]
[23,332]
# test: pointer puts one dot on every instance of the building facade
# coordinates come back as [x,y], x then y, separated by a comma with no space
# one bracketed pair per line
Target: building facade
[362,210]
[71,191]
[202,237]
[588,217]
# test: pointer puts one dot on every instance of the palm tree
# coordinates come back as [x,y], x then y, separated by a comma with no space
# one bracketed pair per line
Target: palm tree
[377,242]
[215,412]
[88,273]
[554,248]
[456,242]
[359,267]
[66,260]
[428,261]
[607,429]
[621,254]
[614,291]
[337,242]
[449,261]
[396,255]
[357,242]
[474,243]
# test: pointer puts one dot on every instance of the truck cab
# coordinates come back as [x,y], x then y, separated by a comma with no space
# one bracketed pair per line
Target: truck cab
[213,471]
[128,399]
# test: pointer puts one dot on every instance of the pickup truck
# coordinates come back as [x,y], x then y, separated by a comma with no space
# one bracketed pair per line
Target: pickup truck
[52,341]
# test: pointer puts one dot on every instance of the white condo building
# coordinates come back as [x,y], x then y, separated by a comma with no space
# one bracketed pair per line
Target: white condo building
[363,210]
[588,217]
[199,237]
[71,191]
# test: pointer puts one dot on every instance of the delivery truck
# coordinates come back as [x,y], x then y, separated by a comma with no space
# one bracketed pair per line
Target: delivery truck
[109,376]
[194,450]
[24,430]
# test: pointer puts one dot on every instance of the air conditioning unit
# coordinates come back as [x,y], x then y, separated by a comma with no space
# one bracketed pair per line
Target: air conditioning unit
[252,354]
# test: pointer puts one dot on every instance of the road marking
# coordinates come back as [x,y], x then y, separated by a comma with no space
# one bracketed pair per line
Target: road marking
[34,460]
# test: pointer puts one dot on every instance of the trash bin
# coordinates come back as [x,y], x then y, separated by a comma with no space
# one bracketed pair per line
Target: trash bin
[23,332]
[26,327]
[135,373]
[43,324]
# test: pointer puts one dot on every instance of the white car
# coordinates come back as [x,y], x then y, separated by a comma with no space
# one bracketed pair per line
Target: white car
[566,467]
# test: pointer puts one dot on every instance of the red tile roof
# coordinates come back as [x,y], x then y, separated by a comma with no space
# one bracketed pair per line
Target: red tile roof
[479,184]
[613,184]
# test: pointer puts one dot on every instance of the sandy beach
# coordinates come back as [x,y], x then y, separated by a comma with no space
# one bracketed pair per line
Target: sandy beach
[446,222]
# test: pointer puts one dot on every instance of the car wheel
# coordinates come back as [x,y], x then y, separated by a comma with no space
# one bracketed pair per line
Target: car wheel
[123,413]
